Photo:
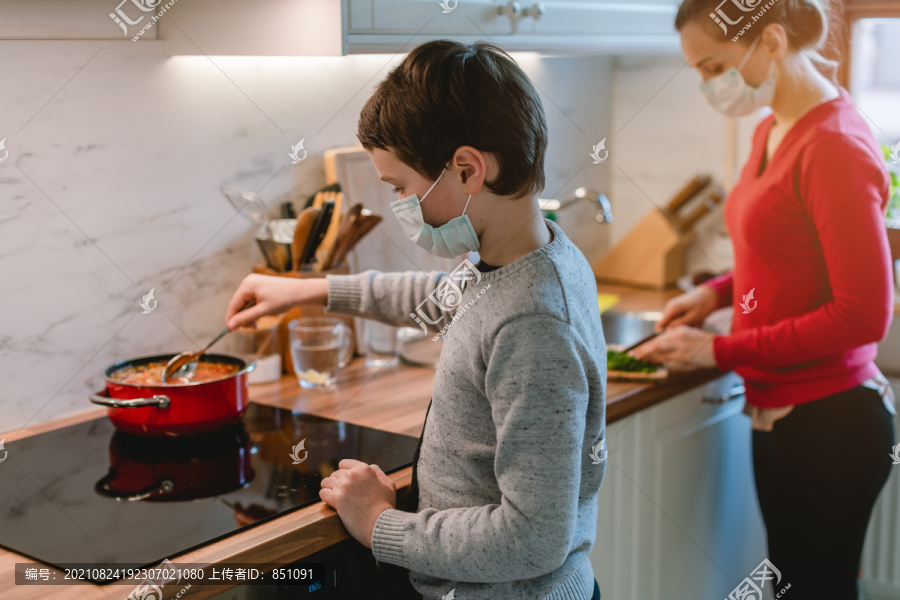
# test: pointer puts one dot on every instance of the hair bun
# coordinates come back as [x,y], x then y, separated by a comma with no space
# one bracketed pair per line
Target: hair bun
[806,22]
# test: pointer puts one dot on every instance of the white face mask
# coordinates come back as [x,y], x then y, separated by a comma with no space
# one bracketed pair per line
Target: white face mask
[729,94]
[453,238]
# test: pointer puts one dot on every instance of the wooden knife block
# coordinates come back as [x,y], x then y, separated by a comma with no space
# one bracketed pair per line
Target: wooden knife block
[651,255]
[287,363]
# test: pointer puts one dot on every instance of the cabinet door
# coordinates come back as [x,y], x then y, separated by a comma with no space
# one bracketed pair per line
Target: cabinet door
[428,17]
[880,569]
[569,27]
[678,516]
[598,17]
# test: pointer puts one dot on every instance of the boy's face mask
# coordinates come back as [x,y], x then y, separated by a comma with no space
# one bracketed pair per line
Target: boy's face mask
[453,238]
[732,96]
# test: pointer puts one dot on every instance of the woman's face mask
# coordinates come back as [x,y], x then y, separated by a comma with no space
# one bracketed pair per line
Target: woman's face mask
[729,94]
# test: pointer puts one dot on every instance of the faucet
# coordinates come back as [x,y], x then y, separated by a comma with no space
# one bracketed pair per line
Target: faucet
[604,212]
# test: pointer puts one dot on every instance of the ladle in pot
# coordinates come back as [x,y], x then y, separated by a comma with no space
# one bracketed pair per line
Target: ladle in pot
[185,364]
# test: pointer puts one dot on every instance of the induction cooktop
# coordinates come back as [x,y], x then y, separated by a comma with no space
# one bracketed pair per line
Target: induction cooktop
[90,494]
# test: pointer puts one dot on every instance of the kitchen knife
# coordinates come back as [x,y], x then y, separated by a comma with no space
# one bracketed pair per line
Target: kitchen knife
[317,233]
[705,206]
[689,191]
[326,248]
[641,341]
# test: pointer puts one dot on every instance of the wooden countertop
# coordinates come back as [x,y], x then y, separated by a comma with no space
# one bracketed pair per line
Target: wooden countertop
[394,399]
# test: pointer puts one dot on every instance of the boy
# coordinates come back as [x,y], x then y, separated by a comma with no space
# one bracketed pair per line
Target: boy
[505,481]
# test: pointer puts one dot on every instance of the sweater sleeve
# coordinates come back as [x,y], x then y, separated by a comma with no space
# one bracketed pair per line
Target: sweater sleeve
[538,392]
[722,285]
[407,299]
[844,189]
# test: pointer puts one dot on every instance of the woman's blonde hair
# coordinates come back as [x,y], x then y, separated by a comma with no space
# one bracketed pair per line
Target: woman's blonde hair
[806,23]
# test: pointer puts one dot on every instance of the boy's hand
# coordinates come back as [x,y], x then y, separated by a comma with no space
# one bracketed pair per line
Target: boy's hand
[271,295]
[359,493]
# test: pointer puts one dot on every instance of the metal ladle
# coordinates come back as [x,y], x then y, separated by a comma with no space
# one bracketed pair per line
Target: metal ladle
[184,365]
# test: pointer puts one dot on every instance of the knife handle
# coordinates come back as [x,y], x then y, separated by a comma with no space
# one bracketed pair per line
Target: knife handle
[317,233]
[689,191]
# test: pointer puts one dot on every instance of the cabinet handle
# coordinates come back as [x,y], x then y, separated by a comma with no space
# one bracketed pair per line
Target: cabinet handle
[511,9]
[535,11]
[734,393]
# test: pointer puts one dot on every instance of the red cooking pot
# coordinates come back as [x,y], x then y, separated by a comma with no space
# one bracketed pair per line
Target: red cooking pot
[176,409]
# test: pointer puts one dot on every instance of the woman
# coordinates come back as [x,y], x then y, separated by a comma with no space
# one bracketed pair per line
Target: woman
[811,288]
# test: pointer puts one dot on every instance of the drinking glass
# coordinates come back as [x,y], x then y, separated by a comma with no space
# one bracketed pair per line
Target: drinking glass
[379,343]
[320,347]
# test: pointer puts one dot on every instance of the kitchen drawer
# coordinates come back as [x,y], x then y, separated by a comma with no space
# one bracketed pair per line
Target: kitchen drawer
[354,575]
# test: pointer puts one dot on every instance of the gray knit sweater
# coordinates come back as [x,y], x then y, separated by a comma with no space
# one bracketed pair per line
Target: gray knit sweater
[513,450]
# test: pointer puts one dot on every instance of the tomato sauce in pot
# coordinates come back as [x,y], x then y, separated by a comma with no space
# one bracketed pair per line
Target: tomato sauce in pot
[151,373]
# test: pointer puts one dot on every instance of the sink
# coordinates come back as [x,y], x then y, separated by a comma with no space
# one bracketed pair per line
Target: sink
[625,328]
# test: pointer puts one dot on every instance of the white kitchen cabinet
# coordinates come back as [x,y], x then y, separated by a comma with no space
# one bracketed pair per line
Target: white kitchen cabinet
[880,569]
[336,27]
[551,26]
[677,513]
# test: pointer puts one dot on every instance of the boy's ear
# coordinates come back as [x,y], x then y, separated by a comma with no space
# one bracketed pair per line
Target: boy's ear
[473,167]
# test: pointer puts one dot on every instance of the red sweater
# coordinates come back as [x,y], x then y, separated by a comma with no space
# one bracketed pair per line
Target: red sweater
[810,243]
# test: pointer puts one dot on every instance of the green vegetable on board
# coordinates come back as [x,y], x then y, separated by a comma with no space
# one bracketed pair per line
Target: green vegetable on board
[619,361]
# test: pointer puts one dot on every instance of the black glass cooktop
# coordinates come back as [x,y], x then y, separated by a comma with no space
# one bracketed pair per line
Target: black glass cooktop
[91,494]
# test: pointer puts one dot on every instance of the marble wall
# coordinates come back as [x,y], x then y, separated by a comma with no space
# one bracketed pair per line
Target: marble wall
[664,132]
[111,189]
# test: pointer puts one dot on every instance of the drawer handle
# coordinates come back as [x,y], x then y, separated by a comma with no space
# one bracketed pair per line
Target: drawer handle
[734,393]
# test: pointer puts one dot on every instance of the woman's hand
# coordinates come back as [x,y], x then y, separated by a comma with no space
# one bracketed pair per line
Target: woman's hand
[690,308]
[270,295]
[359,493]
[678,348]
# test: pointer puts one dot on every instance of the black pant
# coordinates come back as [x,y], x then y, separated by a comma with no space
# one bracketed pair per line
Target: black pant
[596,595]
[818,474]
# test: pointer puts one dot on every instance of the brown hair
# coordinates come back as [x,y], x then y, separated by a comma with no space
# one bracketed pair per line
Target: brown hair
[806,23]
[445,95]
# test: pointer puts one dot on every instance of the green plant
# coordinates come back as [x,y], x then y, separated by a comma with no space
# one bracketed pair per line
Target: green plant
[893,210]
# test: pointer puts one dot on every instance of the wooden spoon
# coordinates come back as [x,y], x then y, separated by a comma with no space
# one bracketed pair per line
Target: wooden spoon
[347,223]
[362,225]
[305,222]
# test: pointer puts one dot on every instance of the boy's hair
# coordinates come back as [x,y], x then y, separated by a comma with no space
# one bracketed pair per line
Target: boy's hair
[445,95]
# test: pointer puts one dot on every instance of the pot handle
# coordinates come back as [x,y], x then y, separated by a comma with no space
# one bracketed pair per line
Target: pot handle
[102,398]
[102,487]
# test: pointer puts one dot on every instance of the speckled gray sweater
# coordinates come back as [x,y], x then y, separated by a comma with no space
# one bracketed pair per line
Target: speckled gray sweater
[513,449]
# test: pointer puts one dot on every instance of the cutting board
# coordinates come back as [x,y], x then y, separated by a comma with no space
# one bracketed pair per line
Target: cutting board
[386,248]
[661,374]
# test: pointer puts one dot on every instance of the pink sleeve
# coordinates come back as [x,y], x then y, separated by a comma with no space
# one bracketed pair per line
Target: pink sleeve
[722,285]
[844,189]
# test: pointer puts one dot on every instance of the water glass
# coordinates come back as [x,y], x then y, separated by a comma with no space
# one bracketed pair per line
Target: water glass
[378,343]
[320,347]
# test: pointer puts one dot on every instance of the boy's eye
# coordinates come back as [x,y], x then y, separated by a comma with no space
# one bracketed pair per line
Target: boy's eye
[397,190]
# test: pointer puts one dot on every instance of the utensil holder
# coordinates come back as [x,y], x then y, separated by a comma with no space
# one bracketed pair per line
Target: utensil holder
[305,311]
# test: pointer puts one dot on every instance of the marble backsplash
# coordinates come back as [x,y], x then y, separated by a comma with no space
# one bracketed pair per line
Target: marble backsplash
[111,189]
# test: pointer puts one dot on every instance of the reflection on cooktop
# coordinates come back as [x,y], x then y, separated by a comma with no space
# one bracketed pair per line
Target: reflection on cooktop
[90,494]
